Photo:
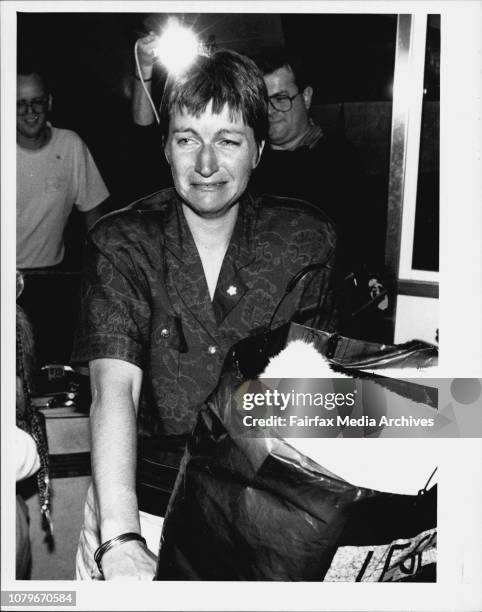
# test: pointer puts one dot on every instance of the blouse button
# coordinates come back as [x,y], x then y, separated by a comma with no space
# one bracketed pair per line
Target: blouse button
[212,350]
[165,333]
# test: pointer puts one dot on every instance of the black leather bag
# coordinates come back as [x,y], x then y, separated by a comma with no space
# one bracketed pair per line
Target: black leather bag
[250,356]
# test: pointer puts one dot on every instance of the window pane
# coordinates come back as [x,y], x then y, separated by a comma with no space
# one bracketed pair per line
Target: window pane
[426,237]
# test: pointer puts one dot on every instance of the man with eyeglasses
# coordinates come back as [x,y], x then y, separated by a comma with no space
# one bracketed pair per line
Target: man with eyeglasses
[55,171]
[290,125]
[301,161]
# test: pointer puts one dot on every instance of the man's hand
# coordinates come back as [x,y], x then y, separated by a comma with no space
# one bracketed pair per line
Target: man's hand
[142,112]
[146,53]
[130,560]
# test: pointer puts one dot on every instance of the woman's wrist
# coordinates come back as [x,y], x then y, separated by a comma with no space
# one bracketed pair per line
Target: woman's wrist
[107,546]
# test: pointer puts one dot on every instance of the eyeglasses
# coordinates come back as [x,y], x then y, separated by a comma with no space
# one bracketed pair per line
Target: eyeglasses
[38,105]
[282,103]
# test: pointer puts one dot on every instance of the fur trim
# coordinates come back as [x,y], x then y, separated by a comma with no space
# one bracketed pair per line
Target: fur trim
[300,359]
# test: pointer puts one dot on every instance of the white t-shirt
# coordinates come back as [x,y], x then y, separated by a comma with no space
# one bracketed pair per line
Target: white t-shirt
[50,181]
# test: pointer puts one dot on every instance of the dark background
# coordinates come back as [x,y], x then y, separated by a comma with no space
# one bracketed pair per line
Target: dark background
[88,60]
[89,64]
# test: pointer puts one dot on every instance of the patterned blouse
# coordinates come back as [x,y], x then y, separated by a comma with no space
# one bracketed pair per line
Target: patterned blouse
[145,299]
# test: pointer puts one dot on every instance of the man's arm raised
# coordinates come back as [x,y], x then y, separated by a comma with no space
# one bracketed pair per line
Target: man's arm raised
[142,113]
[116,388]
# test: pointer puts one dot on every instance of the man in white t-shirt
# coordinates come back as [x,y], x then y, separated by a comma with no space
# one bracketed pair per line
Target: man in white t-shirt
[55,171]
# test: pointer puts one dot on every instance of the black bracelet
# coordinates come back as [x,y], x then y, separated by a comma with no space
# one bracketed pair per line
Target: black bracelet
[143,79]
[120,539]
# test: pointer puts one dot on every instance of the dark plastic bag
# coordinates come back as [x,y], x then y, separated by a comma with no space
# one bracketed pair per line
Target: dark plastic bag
[256,509]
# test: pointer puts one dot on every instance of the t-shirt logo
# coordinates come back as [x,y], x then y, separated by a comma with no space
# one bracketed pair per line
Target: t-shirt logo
[54,184]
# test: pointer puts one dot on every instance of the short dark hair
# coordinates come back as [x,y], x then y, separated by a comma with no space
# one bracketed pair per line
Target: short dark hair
[272,59]
[28,67]
[224,77]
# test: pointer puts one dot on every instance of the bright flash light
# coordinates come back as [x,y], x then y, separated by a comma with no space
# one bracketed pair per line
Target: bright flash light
[178,46]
